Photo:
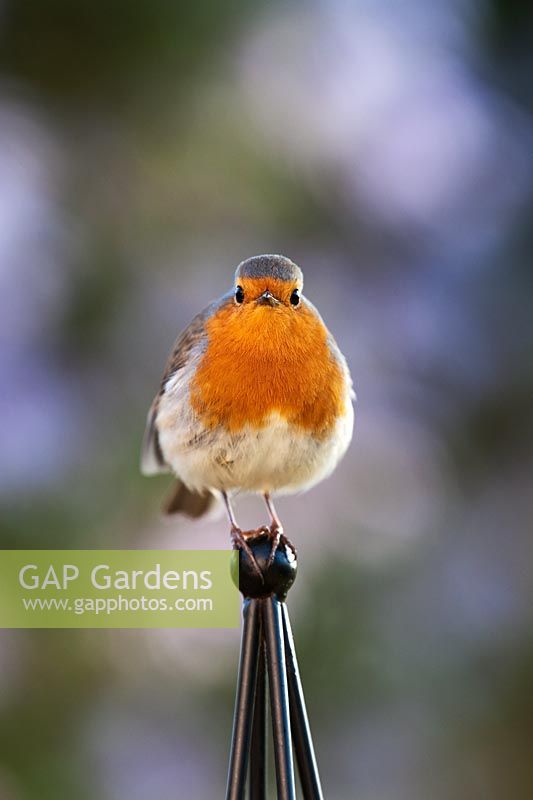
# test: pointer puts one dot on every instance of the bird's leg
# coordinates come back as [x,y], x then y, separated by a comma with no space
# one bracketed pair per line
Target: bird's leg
[238,539]
[276,530]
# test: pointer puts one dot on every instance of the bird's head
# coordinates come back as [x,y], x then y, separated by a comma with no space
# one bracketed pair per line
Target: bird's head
[269,281]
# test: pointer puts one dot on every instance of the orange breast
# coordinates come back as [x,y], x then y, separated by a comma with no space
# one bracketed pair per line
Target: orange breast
[260,360]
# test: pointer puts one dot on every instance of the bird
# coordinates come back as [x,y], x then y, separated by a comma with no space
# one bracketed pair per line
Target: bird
[256,397]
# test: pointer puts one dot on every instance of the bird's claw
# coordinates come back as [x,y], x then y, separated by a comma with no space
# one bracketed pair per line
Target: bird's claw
[239,542]
[278,538]
[288,545]
[276,535]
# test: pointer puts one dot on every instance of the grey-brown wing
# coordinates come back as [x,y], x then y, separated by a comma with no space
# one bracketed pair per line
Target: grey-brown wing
[152,459]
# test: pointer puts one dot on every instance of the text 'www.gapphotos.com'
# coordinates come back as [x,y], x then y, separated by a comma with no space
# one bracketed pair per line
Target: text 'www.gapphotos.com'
[117,605]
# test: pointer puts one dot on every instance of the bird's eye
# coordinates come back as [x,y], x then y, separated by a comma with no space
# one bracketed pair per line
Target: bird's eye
[239,294]
[295,297]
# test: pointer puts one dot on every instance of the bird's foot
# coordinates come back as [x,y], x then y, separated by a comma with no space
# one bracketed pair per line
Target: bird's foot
[288,545]
[278,537]
[238,540]
[275,532]
[262,530]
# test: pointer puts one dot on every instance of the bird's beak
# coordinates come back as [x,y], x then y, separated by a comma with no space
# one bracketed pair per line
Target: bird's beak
[267,299]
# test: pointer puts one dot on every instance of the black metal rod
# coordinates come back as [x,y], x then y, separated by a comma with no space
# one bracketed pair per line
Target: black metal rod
[258,749]
[279,698]
[301,731]
[244,702]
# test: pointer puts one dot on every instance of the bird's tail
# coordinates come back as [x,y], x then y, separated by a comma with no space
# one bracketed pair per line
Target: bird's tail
[185,501]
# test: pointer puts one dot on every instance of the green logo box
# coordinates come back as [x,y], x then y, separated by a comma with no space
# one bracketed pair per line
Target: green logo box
[118,589]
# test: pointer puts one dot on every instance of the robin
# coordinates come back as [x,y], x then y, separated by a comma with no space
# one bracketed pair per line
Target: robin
[256,397]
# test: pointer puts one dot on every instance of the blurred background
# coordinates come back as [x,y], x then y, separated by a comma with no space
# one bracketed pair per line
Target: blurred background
[145,149]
